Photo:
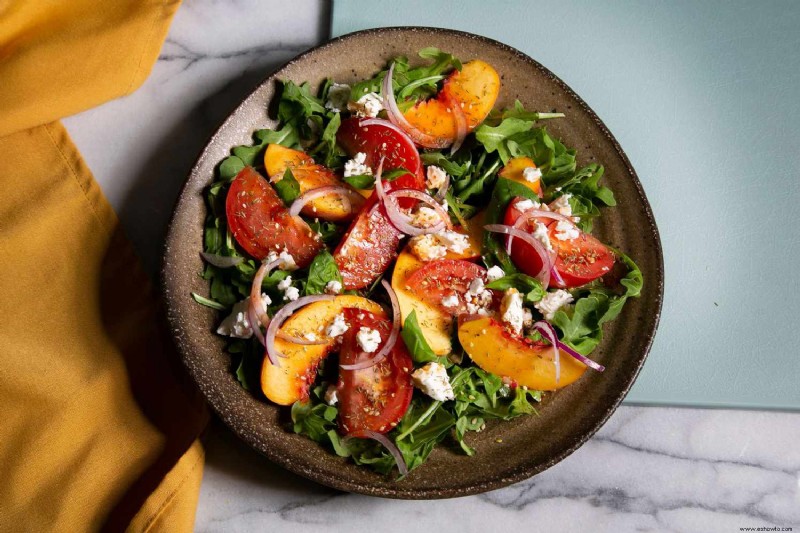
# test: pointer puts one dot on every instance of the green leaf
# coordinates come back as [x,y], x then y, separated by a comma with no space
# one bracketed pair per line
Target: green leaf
[323,270]
[287,187]
[208,303]
[504,191]
[527,285]
[448,165]
[230,167]
[495,139]
[329,232]
[393,174]
[287,136]
[361,181]
[415,341]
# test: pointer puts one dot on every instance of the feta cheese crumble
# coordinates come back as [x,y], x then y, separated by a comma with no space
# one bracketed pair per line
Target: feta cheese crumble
[285,283]
[454,241]
[432,380]
[450,300]
[531,174]
[476,287]
[338,96]
[540,234]
[561,205]
[436,245]
[425,217]
[357,166]
[287,261]
[511,311]
[337,327]
[368,339]
[369,105]
[526,205]
[333,287]
[291,294]
[436,176]
[331,398]
[552,302]
[237,324]
[494,273]
[566,231]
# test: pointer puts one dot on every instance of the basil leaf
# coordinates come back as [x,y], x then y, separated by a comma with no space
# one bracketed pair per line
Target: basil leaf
[361,181]
[287,187]
[323,270]
[414,339]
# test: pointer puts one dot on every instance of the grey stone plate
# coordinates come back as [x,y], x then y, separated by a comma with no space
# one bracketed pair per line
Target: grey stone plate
[529,444]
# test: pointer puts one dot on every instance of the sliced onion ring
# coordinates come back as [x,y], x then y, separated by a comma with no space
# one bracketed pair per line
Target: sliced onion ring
[390,342]
[300,340]
[542,326]
[461,124]
[390,446]
[397,118]
[281,316]
[549,333]
[523,218]
[402,222]
[398,219]
[348,197]
[220,261]
[547,264]
[255,311]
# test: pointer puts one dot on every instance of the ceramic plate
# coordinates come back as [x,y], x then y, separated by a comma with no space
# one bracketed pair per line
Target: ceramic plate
[529,444]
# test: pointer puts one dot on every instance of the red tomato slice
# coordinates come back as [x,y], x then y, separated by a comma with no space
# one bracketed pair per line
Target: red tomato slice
[260,222]
[370,244]
[445,277]
[375,398]
[380,140]
[578,261]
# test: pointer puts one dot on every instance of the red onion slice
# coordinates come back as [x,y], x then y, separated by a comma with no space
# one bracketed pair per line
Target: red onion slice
[549,333]
[442,191]
[542,326]
[544,274]
[426,199]
[255,311]
[397,118]
[397,218]
[281,316]
[348,196]
[559,281]
[390,342]
[300,340]
[220,261]
[523,218]
[461,124]
[391,447]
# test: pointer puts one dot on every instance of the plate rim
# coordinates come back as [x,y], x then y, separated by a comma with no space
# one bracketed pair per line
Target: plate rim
[466,489]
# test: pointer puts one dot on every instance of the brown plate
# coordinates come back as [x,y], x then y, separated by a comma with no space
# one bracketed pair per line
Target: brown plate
[529,444]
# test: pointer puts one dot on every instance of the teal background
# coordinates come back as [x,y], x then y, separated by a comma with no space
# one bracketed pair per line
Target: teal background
[704,97]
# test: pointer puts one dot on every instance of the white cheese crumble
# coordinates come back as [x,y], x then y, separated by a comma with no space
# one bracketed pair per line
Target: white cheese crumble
[552,302]
[425,217]
[331,398]
[561,205]
[527,318]
[531,174]
[337,327]
[338,96]
[291,294]
[566,231]
[540,234]
[476,287]
[511,310]
[285,283]
[432,380]
[436,176]
[357,166]
[310,336]
[478,299]
[436,245]
[333,287]
[454,241]
[526,205]
[287,261]
[450,301]
[368,339]
[237,324]
[494,273]
[369,105]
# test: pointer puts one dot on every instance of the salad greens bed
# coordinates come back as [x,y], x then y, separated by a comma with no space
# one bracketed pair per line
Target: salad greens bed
[305,123]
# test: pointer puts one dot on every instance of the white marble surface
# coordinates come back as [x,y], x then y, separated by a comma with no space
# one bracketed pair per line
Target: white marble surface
[649,469]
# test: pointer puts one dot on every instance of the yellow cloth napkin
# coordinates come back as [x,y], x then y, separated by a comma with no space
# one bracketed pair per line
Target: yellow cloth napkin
[98,426]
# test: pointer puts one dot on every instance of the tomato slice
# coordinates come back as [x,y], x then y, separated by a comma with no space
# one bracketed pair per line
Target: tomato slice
[374,398]
[261,224]
[578,261]
[442,278]
[370,244]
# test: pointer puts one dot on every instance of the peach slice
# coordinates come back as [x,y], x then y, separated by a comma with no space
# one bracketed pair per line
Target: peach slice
[434,322]
[309,176]
[474,88]
[514,169]
[475,233]
[493,348]
[290,382]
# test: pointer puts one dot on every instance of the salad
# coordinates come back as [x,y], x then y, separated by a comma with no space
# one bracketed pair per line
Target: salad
[400,264]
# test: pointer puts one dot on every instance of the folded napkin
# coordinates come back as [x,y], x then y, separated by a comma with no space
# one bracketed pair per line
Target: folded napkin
[98,425]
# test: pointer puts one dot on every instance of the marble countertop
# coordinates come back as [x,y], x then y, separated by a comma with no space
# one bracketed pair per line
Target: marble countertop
[648,469]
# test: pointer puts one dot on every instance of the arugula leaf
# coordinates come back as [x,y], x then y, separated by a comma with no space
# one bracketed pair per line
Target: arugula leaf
[287,187]
[230,167]
[248,368]
[393,174]
[527,285]
[495,138]
[361,181]
[327,151]
[328,231]
[415,341]
[448,165]
[297,104]
[323,269]
[518,111]
[202,300]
